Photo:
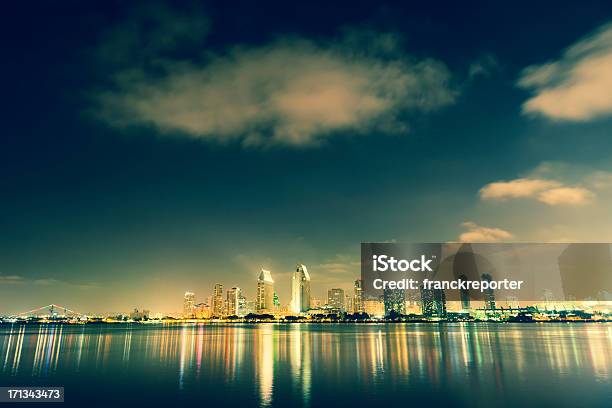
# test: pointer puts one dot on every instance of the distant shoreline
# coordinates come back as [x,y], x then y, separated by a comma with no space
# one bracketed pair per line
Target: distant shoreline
[223,323]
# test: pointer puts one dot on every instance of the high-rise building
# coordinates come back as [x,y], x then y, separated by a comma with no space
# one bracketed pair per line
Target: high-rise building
[464,295]
[233,301]
[465,268]
[218,300]
[335,299]
[374,308]
[348,304]
[300,289]
[433,302]
[440,302]
[489,295]
[394,300]
[265,292]
[188,304]
[241,309]
[251,306]
[358,297]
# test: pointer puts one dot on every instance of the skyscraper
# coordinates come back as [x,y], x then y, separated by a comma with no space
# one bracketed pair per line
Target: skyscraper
[440,302]
[348,304]
[218,300]
[265,292]
[464,294]
[300,289]
[358,297]
[335,299]
[394,300]
[241,309]
[188,304]
[489,295]
[433,302]
[233,301]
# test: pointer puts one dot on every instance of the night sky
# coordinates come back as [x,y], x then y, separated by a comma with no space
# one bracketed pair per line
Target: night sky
[153,148]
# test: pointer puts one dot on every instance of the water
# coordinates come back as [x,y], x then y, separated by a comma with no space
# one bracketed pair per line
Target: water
[475,364]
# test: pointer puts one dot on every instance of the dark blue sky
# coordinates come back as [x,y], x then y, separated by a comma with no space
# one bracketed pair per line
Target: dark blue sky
[148,149]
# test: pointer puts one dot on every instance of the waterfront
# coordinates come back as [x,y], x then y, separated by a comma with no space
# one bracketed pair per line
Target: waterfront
[463,364]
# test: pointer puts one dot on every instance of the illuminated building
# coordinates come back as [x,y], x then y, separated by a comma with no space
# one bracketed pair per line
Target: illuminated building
[489,295]
[140,314]
[233,300]
[300,289]
[188,304]
[433,302]
[358,297]
[242,305]
[335,299]
[218,300]
[348,304]
[374,308]
[202,311]
[464,295]
[265,292]
[394,301]
[251,306]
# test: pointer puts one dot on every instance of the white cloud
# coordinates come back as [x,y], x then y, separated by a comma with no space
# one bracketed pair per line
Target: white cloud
[553,183]
[566,195]
[519,188]
[291,91]
[551,192]
[576,87]
[576,210]
[478,233]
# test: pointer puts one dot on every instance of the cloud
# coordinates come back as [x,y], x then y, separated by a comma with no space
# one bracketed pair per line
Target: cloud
[485,66]
[551,192]
[17,279]
[339,267]
[292,91]
[519,188]
[566,195]
[477,233]
[553,183]
[600,180]
[339,271]
[576,210]
[11,279]
[577,86]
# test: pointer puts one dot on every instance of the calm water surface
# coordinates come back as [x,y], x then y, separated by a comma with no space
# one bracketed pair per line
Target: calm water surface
[567,365]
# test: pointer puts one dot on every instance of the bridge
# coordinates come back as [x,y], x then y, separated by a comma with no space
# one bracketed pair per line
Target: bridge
[51,310]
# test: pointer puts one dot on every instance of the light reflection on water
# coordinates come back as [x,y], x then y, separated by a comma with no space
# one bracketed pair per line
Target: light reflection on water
[268,365]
